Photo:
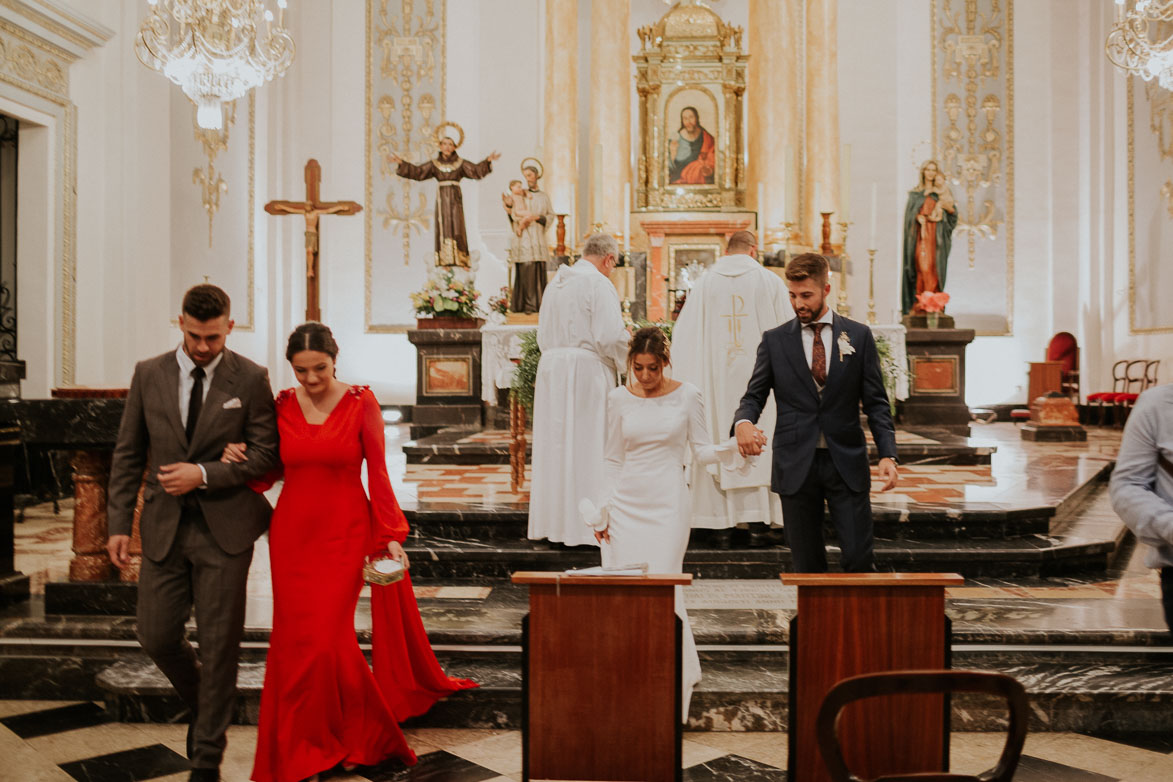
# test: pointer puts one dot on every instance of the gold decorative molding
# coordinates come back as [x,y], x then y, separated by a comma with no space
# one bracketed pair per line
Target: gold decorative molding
[1161,117]
[69,252]
[973,62]
[1133,328]
[409,41]
[84,35]
[34,64]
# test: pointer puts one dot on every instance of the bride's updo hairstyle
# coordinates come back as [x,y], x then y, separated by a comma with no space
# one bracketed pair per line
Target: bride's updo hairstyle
[312,336]
[651,340]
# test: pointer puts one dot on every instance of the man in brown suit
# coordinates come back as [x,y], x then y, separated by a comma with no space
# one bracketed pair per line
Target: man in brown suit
[199,517]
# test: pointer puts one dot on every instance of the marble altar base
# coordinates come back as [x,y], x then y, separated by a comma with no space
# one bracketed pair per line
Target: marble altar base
[448,379]
[936,363]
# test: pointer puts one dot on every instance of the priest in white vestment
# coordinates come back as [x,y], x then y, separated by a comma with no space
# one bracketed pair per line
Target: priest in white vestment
[584,341]
[714,344]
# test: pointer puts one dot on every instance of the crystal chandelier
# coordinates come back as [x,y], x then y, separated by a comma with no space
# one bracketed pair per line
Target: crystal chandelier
[213,49]
[1141,41]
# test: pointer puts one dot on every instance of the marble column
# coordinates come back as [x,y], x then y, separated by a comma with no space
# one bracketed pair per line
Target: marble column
[611,89]
[774,108]
[560,132]
[822,115]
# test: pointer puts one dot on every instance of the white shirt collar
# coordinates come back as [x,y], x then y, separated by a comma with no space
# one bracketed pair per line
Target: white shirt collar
[186,365]
[828,317]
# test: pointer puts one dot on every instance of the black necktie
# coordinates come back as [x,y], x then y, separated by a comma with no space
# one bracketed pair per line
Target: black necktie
[195,401]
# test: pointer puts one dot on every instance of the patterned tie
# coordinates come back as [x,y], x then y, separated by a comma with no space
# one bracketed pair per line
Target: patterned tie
[819,356]
[196,401]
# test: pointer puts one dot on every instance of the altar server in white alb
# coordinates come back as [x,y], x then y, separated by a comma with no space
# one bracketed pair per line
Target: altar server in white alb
[714,344]
[584,343]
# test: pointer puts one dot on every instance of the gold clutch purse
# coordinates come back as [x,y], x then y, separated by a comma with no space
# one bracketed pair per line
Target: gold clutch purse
[381,572]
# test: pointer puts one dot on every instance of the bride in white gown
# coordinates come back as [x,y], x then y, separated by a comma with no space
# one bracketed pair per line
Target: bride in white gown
[655,426]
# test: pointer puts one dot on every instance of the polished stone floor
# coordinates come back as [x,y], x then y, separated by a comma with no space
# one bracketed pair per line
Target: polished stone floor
[44,741]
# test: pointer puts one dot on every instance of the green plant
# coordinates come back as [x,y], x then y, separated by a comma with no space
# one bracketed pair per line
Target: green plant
[890,368]
[447,295]
[525,374]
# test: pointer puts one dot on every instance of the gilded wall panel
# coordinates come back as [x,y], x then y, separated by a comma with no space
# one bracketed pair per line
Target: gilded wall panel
[214,210]
[1150,208]
[973,142]
[405,101]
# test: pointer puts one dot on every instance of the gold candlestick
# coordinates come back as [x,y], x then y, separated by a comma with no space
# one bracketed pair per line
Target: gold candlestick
[825,248]
[871,287]
[841,305]
[789,235]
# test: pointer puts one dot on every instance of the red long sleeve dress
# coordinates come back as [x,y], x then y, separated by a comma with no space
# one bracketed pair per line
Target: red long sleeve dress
[321,704]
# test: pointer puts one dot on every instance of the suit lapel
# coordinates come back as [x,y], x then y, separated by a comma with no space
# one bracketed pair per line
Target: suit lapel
[792,347]
[168,390]
[833,363]
[220,392]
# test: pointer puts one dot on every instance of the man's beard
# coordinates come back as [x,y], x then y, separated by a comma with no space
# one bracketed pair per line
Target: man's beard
[806,316]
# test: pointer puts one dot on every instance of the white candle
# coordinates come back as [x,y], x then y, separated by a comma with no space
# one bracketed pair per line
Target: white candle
[818,202]
[872,235]
[763,218]
[791,184]
[845,184]
[597,185]
[626,216]
[782,216]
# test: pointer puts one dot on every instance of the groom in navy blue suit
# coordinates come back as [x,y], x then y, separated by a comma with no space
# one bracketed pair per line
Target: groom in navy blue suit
[821,367]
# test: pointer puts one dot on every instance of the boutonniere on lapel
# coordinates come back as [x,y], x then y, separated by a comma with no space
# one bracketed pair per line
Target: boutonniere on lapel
[845,346]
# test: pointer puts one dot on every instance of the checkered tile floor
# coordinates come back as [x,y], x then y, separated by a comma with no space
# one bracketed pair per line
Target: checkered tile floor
[48,741]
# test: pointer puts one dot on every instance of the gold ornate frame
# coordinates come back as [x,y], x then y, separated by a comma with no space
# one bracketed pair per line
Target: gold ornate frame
[690,244]
[1132,327]
[980,30]
[690,48]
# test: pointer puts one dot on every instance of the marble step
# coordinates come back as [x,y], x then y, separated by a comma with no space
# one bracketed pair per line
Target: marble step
[732,696]
[977,521]
[492,447]
[1035,555]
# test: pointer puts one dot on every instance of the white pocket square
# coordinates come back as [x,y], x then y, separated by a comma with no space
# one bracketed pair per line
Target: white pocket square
[232,403]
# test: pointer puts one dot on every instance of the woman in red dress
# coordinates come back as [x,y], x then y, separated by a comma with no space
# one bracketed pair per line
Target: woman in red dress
[321,705]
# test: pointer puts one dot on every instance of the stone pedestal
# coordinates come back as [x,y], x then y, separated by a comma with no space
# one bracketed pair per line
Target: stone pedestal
[448,379]
[936,363]
[1053,419]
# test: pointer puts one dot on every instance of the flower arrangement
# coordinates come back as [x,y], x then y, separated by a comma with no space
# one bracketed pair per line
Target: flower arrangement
[446,294]
[500,303]
[932,301]
[891,370]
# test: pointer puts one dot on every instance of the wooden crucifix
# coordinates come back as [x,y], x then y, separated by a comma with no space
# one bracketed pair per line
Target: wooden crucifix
[312,208]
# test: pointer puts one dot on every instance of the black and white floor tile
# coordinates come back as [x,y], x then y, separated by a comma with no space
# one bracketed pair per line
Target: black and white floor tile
[51,741]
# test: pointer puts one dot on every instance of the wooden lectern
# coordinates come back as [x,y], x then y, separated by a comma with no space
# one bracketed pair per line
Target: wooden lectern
[853,623]
[1042,378]
[601,673]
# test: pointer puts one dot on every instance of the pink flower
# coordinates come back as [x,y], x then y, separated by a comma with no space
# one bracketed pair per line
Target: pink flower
[932,301]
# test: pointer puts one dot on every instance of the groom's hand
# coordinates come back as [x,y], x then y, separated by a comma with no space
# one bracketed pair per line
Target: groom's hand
[888,473]
[180,478]
[749,439]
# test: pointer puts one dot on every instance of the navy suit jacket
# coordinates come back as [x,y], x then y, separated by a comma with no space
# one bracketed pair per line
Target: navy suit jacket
[852,380]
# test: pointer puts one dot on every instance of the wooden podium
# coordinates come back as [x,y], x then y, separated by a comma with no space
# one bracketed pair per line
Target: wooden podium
[1042,378]
[853,623]
[601,677]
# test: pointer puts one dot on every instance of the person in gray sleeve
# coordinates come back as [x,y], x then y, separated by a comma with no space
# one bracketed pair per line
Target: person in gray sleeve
[1142,483]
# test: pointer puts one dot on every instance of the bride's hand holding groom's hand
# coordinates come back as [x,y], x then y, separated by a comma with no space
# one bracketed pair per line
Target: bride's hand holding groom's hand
[750,439]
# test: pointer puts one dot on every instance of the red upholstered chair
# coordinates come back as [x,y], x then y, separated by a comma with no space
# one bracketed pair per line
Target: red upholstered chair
[1102,399]
[1065,349]
[890,683]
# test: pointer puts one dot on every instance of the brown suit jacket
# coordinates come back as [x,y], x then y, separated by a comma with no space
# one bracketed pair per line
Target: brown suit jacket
[238,408]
